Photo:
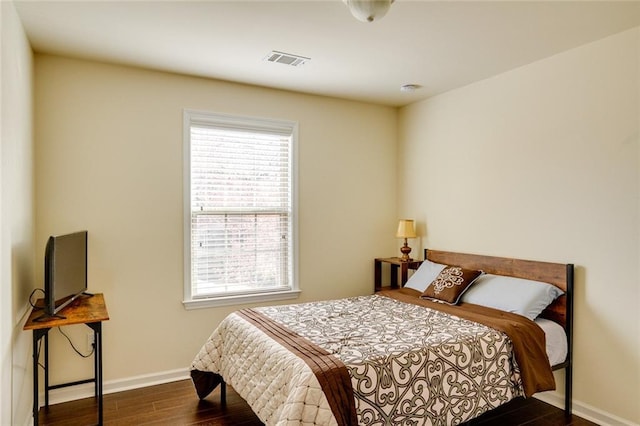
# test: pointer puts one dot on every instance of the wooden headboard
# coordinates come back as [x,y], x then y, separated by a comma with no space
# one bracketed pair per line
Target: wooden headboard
[558,274]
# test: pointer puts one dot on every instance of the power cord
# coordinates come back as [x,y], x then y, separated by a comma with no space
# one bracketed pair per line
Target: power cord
[93,346]
[33,305]
[74,348]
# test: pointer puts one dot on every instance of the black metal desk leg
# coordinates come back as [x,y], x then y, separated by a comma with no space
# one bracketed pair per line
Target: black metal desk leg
[98,333]
[37,335]
[97,365]
[46,369]
[95,362]
[35,377]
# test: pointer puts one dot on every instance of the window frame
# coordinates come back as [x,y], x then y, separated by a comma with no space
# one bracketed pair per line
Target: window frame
[251,123]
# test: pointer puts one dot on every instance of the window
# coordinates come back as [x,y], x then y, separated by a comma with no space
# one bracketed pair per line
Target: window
[240,215]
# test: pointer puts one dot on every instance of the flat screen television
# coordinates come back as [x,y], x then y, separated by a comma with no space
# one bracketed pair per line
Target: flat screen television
[65,270]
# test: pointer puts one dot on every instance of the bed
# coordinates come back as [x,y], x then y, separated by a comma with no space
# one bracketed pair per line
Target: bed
[400,356]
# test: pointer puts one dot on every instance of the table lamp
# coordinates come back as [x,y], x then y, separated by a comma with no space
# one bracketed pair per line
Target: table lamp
[406,229]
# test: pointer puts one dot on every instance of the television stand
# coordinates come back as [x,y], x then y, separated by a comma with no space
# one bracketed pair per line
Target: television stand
[90,311]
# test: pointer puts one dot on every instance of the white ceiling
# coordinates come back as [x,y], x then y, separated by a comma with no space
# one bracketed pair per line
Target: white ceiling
[439,45]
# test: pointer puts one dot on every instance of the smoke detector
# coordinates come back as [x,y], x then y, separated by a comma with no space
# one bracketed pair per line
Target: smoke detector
[409,87]
[286,58]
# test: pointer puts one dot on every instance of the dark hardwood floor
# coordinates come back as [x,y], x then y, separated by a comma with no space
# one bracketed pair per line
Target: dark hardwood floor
[177,404]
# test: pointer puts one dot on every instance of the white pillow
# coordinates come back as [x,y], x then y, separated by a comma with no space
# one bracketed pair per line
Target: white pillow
[525,297]
[424,275]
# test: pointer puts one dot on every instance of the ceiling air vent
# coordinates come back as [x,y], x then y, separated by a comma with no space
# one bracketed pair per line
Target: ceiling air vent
[286,58]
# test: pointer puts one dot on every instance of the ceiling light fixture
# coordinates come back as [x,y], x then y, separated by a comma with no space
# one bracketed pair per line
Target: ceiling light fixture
[368,10]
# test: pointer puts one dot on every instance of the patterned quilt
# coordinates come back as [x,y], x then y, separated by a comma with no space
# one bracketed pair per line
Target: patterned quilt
[408,364]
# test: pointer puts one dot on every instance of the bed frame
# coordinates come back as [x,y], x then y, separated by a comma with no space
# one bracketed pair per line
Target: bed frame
[560,311]
[558,274]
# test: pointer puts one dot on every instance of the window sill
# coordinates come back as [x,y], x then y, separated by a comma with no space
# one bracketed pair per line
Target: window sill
[239,299]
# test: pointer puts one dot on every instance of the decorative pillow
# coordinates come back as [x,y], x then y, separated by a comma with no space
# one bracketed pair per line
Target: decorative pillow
[525,297]
[422,277]
[450,284]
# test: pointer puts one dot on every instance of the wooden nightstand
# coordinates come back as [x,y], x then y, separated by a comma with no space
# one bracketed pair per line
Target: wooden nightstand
[395,264]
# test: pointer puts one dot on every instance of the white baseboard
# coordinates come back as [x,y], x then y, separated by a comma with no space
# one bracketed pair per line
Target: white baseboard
[585,411]
[86,390]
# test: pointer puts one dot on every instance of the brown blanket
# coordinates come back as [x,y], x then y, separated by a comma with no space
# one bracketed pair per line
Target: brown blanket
[528,339]
[332,374]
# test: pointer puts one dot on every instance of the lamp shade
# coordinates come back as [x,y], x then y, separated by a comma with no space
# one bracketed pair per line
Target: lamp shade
[368,10]
[406,229]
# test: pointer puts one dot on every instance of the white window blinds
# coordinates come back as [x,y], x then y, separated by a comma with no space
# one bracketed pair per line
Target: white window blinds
[241,214]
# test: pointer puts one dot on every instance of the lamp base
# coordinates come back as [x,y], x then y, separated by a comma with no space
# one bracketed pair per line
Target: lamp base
[405,249]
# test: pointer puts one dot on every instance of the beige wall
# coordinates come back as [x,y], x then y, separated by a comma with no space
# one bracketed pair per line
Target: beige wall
[17,238]
[109,159]
[543,163]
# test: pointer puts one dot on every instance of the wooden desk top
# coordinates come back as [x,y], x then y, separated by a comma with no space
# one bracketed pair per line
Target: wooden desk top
[83,310]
